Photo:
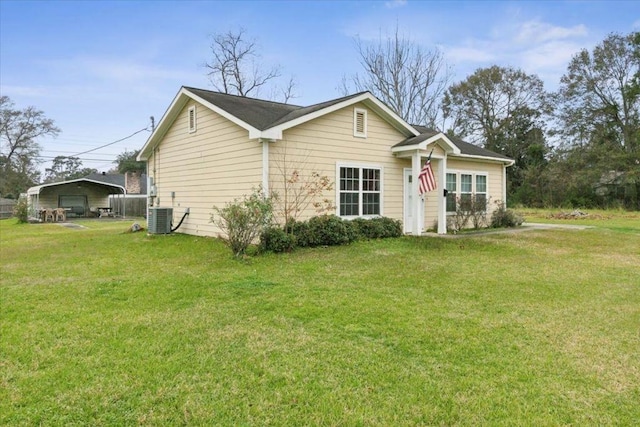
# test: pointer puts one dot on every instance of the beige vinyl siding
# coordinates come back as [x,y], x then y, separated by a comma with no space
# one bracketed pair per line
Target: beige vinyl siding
[437,150]
[318,145]
[209,167]
[459,164]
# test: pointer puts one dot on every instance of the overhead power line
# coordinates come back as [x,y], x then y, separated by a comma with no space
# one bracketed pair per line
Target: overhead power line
[111,143]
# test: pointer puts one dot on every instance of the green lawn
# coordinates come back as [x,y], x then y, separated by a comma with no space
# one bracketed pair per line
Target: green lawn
[102,327]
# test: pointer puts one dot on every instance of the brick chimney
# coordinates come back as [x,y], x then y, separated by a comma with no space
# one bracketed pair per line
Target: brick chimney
[132,182]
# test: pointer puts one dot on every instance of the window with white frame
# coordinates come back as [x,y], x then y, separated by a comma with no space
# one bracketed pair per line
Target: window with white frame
[360,122]
[463,186]
[481,191]
[452,191]
[359,192]
[191,117]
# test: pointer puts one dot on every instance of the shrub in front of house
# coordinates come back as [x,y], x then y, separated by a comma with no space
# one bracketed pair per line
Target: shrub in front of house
[276,239]
[377,228]
[243,220]
[505,218]
[330,230]
[327,230]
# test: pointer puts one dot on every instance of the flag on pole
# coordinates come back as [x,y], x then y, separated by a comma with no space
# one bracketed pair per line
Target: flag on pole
[426,179]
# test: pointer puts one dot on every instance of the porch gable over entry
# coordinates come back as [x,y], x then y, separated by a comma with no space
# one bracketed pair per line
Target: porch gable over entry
[440,147]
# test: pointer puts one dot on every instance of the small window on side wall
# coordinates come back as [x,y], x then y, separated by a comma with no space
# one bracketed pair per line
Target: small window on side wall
[360,123]
[192,119]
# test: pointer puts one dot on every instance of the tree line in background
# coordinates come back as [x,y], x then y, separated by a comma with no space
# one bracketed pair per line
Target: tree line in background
[578,146]
[20,157]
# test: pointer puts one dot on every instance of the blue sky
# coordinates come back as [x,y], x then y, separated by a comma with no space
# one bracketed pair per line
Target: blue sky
[100,69]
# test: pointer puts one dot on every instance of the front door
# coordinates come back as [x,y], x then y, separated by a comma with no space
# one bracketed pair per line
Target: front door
[409,200]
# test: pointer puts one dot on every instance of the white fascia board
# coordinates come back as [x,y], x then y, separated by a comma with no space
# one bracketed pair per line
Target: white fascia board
[172,112]
[507,162]
[272,134]
[367,98]
[383,110]
[163,125]
[253,132]
[440,136]
[452,148]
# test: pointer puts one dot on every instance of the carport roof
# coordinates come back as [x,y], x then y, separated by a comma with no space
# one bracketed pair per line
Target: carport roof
[36,190]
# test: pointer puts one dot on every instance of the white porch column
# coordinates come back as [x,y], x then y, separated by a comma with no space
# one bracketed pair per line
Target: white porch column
[265,167]
[442,201]
[415,171]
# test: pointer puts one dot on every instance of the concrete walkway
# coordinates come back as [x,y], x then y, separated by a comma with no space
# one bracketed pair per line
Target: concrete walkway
[527,226]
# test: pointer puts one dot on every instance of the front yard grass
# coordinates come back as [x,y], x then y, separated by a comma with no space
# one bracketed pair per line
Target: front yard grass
[102,327]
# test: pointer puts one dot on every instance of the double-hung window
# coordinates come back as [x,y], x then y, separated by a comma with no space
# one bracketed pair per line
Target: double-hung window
[465,188]
[452,191]
[481,191]
[360,191]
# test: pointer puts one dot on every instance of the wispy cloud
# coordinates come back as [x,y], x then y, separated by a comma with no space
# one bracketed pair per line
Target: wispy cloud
[541,32]
[395,3]
[535,46]
[24,91]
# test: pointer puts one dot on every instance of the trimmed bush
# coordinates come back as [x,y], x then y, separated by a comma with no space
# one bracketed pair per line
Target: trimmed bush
[300,230]
[377,228]
[327,230]
[275,239]
[330,230]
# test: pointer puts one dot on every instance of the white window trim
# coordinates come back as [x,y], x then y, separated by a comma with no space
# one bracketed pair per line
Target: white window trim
[192,110]
[360,192]
[357,111]
[473,174]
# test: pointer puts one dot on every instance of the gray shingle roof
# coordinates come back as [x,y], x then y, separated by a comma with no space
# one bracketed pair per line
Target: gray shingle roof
[263,115]
[259,113]
[463,146]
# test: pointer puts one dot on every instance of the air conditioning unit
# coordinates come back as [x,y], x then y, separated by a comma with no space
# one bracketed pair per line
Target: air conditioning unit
[160,220]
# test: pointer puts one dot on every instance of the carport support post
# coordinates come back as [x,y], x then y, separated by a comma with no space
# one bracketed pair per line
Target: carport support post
[415,172]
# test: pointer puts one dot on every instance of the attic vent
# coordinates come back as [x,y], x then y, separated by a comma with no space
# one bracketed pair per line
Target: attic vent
[360,123]
[192,119]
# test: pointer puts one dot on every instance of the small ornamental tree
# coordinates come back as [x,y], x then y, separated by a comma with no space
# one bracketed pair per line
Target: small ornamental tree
[243,220]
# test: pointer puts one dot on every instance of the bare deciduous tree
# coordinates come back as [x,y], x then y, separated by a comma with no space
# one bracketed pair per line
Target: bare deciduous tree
[408,78]
[298,187]
[235,68]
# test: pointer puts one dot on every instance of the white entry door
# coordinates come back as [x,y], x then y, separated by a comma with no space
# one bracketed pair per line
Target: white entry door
[409,200]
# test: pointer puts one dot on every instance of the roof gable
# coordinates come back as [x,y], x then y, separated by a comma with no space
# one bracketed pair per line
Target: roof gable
[460,147]
[258,113]
[265,119]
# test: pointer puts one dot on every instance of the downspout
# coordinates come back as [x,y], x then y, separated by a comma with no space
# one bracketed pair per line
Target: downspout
[504,184]
[265,167]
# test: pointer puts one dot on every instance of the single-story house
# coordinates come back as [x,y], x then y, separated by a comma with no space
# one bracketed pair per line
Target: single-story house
[87,196]
[210,148]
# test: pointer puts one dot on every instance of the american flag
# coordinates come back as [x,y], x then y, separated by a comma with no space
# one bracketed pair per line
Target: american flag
[426,180]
